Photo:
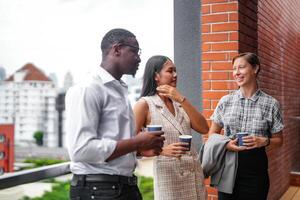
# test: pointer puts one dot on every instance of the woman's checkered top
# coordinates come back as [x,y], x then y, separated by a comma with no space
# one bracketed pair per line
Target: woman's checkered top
[259,115]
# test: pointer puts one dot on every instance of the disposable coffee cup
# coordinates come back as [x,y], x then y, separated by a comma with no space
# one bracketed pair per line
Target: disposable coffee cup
[240,138]
[155,127]
[187,139]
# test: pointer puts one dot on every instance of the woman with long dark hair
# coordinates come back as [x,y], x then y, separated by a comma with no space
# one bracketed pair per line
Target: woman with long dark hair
[249,110]
[177,172]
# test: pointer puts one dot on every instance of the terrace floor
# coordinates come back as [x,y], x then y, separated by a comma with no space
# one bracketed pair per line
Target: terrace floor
[293,193]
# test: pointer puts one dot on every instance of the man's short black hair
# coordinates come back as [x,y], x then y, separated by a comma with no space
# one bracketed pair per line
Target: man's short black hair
[114,36]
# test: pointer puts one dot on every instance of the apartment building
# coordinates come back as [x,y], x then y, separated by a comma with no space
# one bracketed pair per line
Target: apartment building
[27,100]
[6,148]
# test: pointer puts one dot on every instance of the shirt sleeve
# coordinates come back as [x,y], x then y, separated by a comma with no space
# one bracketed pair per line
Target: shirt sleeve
[217,116]
[277,121]
[85,144]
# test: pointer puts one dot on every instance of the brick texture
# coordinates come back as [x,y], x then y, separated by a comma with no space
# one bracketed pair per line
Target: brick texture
[272,30]
[278,34]
[219,45]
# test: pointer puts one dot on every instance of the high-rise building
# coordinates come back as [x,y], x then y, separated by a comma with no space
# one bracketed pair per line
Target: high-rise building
[53,78]
[2,73]
[68,81]
[27,100]
[134,88]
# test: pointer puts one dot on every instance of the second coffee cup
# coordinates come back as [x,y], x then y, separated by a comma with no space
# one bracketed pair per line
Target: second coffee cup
[186,139]
[240,136]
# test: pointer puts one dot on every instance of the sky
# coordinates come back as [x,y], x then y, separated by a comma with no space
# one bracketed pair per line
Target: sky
[60,36]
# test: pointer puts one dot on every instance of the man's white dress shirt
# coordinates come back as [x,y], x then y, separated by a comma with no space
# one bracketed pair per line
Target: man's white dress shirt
[98,114]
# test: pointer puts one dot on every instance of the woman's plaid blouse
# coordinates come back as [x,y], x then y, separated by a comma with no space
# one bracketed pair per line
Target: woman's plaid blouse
[259,115]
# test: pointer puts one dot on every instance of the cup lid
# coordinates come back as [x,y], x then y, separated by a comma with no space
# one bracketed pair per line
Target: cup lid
[242,133]
[185,136]
[154,125]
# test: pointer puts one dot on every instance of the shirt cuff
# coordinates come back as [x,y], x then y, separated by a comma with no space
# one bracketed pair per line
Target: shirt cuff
[219,122]
[278,129]
[107,147]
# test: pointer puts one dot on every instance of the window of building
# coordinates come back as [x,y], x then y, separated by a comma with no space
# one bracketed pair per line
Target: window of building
[2,138]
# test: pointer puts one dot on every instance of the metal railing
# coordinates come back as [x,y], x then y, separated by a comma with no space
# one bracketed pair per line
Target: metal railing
[32,175]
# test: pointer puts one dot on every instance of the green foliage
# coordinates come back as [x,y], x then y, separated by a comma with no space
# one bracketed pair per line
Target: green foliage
[146,187]
[60,190]
[38,136]
[39,162]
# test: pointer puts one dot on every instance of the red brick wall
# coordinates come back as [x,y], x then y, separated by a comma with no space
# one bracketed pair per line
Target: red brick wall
[278,48]
[219,45]
[248,26]
[271,29]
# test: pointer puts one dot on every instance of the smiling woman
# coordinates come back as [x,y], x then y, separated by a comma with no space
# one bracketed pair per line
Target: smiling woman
[251,111]
[246,67]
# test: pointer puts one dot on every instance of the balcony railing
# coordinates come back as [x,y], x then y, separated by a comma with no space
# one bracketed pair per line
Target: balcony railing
[32,175]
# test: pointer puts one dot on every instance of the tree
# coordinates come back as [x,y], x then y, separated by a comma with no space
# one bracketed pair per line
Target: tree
[38,136]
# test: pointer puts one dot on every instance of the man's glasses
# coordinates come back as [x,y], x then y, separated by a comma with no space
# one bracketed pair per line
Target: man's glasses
[138,50]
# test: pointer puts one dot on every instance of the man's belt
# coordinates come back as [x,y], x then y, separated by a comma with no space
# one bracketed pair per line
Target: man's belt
[105,178]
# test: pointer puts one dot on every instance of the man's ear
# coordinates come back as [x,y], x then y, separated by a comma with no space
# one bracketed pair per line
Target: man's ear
[116,48]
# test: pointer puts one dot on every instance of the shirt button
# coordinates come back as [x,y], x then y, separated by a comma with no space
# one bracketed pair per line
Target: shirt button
[92,197]
[94,188]
[113,187]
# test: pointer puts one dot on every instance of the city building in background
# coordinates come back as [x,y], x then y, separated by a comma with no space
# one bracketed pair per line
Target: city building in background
[60,107]
[6,148]
[2,73]
[52,76]
[134,88]
[68,81]
[27,100]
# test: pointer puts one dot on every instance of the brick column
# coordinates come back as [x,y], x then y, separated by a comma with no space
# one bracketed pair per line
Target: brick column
[219,45]
[270,29]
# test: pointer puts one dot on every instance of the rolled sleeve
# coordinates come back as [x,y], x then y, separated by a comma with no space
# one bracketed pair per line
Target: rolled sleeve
[217,116]
[95,151]
[85,144]
[277,121]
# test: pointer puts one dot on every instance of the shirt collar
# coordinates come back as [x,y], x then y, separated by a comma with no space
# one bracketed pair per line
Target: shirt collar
[106,77]
[254,97]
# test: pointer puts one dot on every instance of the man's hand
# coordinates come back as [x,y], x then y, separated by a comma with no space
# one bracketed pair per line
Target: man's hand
[153,141]
[150,153]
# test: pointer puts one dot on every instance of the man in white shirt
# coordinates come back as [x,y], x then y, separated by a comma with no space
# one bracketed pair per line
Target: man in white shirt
[100,127]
